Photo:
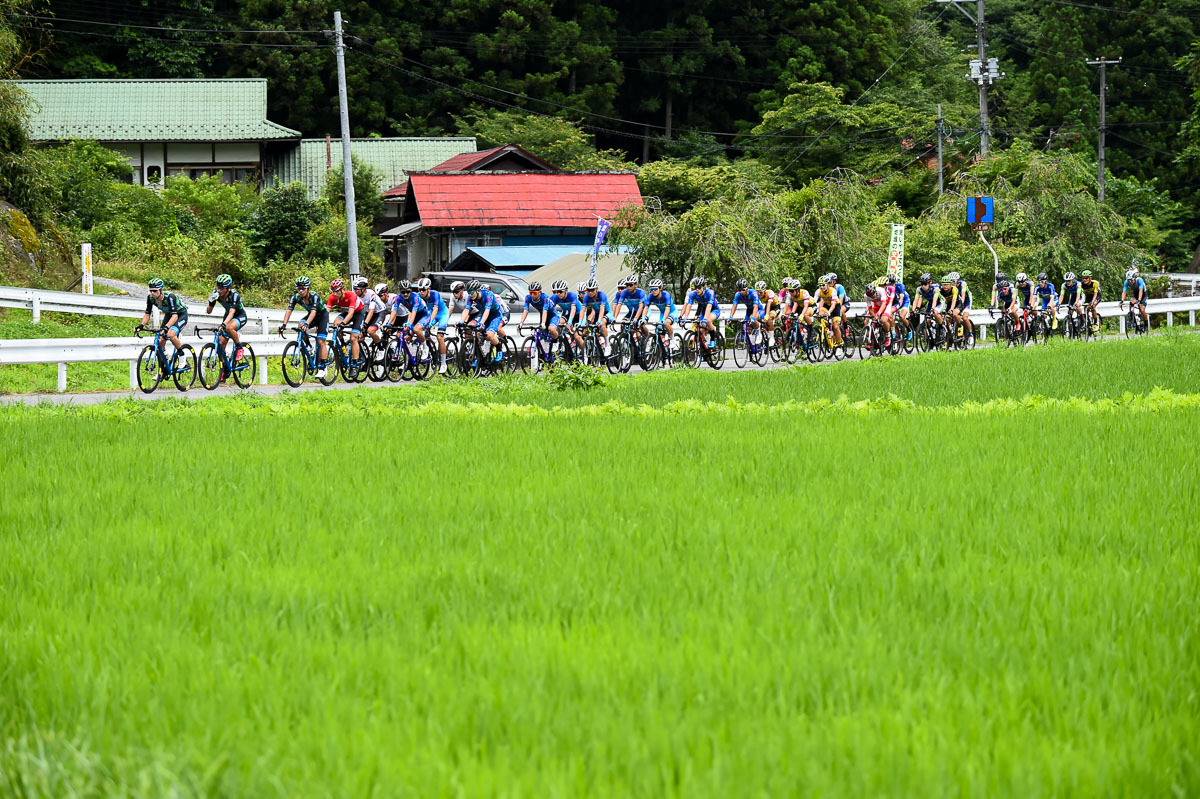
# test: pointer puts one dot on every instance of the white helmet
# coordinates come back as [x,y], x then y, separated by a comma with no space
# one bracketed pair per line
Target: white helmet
[953,277]
[1131,274]
[360,282]
[1022,277]
[1069,276]
[382,288]
[558,285]
[582,287]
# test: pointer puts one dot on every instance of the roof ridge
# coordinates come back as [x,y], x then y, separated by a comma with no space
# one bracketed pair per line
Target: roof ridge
[136,80]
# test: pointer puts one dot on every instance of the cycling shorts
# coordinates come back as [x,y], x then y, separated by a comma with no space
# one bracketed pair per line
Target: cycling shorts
[1045,305]
[886,313]
[180,323]
[1141,302]
[354,323]
[321,321]
[494,323]
[239,321]
[439,322]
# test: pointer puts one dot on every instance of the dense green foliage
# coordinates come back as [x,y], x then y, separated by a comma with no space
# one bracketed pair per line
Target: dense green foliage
[641,642]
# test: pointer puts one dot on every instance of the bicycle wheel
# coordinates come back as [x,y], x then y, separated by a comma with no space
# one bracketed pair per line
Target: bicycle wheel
[866,346]
[624,352]
[528,358]
[715,355]
[185,374]
[377,370]
[420,359]
[294,364]
[756,343]
[208,365]
[245,369]
[149,370]
[908,338]
[689,353]
[330,367]
[741,355]
[652,352]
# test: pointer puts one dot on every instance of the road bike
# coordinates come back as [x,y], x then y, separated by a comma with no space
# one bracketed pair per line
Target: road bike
[406,358]
[1076,326]
[1040,323]
[749,344]
[539,351]
[874,339]
[301,357]
[700,344]
[1135,325]
[153,366]
[1006,328]
[214,364]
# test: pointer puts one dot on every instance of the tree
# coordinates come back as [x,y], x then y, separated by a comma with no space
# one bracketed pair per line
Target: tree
[368,196]
[559,141]
[277,226]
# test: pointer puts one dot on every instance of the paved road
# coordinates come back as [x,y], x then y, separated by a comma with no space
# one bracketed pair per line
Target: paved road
[137,290]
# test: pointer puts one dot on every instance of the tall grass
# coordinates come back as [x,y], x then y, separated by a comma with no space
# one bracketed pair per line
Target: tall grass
[415,597]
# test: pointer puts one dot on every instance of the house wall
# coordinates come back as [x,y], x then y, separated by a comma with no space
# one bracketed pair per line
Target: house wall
[235,160]
[154,164]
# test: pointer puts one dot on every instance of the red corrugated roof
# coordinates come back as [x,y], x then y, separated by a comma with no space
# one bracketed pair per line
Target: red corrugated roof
[463,161]
[521,199]
[397,191]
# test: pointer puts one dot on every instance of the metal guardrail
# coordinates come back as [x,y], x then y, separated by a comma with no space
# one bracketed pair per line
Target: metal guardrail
[63,351]
[38,301]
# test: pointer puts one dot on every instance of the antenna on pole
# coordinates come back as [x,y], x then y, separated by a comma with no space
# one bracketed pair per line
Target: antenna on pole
[984,71]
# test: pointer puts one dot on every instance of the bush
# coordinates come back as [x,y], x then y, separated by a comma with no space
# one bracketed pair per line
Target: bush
[215,206]
[328,242]
[277,226]
[368,197]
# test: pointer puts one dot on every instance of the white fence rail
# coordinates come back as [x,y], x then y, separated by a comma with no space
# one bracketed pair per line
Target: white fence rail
[63,351]
[39,301]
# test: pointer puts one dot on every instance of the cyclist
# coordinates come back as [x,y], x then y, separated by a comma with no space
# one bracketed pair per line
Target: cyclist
[961,310]
[634,300]
[707,309]
[843,298]
[567,303]
[1000,277]
[460,302]
[949,291]
[1134,283]
[799,301]
[661,299]
[1090,289]
[315,314]
[1004,297]
[544,306]
[235,313]
[435,318]
[1024,294]
[928,293]
[879,305]
[828,305]
[1044,293]
[491,316]
[599,312]
[350,310]
[406,305]
[617,292]
[901,302]
[771,308]
[749,298]
[174,315]
[373,305]
[1069,293]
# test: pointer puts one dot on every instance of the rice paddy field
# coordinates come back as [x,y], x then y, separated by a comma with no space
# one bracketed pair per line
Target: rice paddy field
[966,574]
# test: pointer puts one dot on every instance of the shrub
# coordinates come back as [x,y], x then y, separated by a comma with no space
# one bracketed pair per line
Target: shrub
[328,242]
[276,228]
[215,206]
[368,198]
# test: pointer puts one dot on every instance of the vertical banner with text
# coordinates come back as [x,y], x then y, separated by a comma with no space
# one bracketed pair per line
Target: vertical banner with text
[85,261]
[895,264]
[602,226]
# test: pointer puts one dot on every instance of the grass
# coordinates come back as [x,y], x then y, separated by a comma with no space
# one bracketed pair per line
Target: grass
[684,585]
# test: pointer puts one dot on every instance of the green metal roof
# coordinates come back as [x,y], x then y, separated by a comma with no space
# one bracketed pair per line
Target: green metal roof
[393,159]
[151,110]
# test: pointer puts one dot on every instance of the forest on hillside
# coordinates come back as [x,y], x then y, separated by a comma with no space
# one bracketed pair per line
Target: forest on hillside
[795,91]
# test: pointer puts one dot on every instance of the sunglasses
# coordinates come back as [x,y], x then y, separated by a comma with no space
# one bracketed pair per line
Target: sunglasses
[405,293]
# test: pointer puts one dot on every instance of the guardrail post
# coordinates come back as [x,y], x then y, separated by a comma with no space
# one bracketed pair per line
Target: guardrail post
[262,366]
[1121,321]
[266,324]
[982,331]
[154,316]
[1170,319]
[62,378]
[1192,318]
[37,309]
[133,367]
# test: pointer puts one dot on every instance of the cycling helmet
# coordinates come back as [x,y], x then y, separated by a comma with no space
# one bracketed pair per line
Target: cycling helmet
[831,278]
[701,282]
[1000,277]
[457,285]
[1042,276]
[621,283]
[947,278]
[155,284]
[656,284]
[360,282]
[592,285]
[833,275]
[632,280]
[890,280]
[303,282]
[472,287]
[926,278]
[1069,276]
[224,281]
[872,291]
[1004,284]
[403,286]
[1086,273]
[742,284]
[1131,274]
[559,285]
[954,276]
[582,287]
[535,286]
[694,282]
[337,284]
[424,284]
[1022,277]
[382,288]
[760,285]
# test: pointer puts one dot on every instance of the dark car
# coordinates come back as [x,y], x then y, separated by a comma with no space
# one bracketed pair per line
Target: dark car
[509,288]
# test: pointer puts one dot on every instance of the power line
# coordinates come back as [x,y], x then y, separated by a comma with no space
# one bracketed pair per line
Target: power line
[172,29]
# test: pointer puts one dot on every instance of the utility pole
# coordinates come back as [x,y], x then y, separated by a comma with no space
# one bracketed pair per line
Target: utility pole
[347,163]
[941,184]
[984,71]
[1104,65]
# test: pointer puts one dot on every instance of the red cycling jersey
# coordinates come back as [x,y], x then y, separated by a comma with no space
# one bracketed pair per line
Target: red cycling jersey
[349,300]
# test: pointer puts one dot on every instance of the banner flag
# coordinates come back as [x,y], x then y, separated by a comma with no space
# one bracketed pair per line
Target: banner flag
[896,253]
[602,226]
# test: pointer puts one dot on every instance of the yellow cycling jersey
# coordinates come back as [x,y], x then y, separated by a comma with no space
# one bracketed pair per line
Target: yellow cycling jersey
[827,293]
[801,296]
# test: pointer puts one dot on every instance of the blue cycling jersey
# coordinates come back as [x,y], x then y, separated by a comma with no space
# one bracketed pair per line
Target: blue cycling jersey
[841,292]
[434,306]
[631,299]
[1006,296]
[1025,292]
[567,304]
[702,299]
[544,302]
[488,305]
[663,301]
[1069,291]
[403,306]
[1045,293]
[600,301]
[902,297]
[750,299]
[1139,286]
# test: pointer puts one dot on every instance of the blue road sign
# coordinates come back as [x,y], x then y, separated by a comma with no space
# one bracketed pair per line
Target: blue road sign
[980,210]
